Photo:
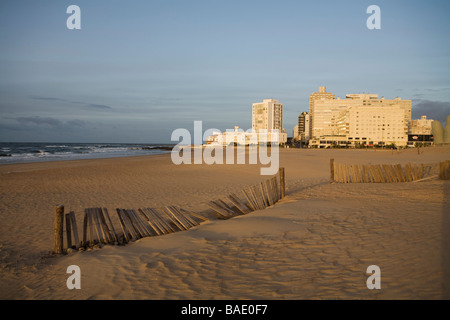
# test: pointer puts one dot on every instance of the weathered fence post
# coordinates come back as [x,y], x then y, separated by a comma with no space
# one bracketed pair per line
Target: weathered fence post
[58,229]
[282,183]
[444,170]
[68,231]
[331,170]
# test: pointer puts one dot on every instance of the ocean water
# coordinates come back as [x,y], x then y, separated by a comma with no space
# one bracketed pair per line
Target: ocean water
[37,152]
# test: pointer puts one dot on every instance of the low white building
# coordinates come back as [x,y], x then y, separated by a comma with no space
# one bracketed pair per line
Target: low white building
[245,138]
[237,136]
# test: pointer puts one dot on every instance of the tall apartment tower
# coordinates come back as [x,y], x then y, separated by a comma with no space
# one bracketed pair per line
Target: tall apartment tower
[303,127]
[267,115]
[315,116]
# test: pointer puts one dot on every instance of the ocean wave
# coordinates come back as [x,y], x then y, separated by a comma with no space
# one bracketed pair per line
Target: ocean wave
[32,152]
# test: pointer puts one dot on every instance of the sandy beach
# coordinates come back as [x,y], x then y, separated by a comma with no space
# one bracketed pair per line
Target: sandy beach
[316,243]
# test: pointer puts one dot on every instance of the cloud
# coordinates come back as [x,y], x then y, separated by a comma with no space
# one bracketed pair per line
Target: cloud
[98,106]
[76,123]
[436,110]
[48,99]
[39,121]
[85,104]
[437,89]
[47,121]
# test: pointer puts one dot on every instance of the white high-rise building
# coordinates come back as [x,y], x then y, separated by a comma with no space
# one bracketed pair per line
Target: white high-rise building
[295,135]
[268,115]
[316,117]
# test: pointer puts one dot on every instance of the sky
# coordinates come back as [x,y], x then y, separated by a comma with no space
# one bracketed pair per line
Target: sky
[138,70]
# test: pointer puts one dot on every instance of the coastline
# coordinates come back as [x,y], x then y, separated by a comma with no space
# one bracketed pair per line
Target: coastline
[314,244]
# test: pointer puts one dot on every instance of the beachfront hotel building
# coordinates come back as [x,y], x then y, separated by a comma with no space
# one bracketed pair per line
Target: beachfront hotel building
[420,126]
[419,132]
[359,119]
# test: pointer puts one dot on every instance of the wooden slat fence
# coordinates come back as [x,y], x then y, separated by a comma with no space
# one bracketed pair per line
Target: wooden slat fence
[384,173]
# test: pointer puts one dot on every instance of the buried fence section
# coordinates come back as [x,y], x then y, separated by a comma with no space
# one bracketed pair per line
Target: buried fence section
[385,173]
[98,228]
[255,197]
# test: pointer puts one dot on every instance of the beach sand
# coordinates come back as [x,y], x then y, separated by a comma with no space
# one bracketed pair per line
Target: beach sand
[316,243]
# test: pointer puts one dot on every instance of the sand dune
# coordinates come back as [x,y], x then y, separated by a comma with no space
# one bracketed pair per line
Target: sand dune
[316,243]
